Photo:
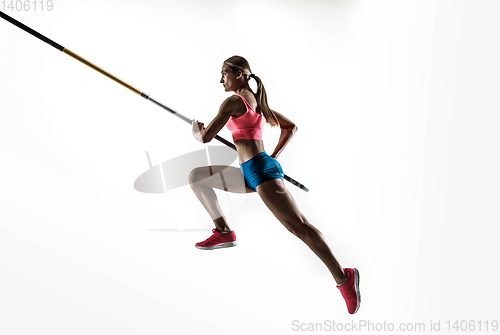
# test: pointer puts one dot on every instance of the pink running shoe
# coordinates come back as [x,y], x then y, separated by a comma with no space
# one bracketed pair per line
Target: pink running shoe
[218,240]
[350,290]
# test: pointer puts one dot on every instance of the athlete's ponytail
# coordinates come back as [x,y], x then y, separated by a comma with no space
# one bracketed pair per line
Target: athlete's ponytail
[239,63]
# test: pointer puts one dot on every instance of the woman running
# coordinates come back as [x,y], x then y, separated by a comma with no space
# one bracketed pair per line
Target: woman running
[245,113]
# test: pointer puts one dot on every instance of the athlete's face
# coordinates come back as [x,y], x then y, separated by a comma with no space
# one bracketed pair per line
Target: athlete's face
[229,79]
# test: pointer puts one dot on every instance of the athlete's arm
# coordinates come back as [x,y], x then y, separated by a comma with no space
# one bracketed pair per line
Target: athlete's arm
[228,107]
[288,129]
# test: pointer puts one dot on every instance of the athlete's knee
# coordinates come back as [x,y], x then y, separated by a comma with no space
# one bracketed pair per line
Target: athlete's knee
[195,176]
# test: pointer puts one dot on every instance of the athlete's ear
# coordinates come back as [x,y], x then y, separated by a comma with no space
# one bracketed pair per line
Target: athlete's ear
[239,74]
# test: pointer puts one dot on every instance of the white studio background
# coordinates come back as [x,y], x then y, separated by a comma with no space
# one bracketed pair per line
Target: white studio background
[397,108]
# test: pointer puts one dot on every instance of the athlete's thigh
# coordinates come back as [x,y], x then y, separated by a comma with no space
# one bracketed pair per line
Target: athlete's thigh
[279,200]
[226,178]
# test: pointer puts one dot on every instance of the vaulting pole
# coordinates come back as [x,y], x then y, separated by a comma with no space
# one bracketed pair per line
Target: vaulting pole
[121,82]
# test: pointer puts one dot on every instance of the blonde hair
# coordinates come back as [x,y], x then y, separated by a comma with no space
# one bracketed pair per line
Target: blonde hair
[239,63]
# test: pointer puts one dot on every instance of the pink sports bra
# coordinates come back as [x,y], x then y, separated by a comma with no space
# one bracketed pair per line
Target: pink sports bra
[249,126]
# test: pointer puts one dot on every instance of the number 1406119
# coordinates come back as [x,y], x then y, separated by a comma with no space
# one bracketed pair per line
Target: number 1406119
[27,5]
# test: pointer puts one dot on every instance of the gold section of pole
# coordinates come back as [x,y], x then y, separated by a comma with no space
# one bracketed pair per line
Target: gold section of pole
[98,69]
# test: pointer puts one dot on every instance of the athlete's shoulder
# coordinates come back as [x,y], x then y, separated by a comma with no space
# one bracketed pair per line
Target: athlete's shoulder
[232,100]
[231,105]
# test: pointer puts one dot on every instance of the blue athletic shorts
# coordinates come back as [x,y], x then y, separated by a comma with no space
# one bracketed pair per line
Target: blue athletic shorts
[259,169]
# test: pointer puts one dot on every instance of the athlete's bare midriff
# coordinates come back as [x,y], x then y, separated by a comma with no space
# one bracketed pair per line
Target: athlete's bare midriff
[248,149]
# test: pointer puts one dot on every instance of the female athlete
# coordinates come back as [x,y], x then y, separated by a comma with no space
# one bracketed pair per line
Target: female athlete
[245,113]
